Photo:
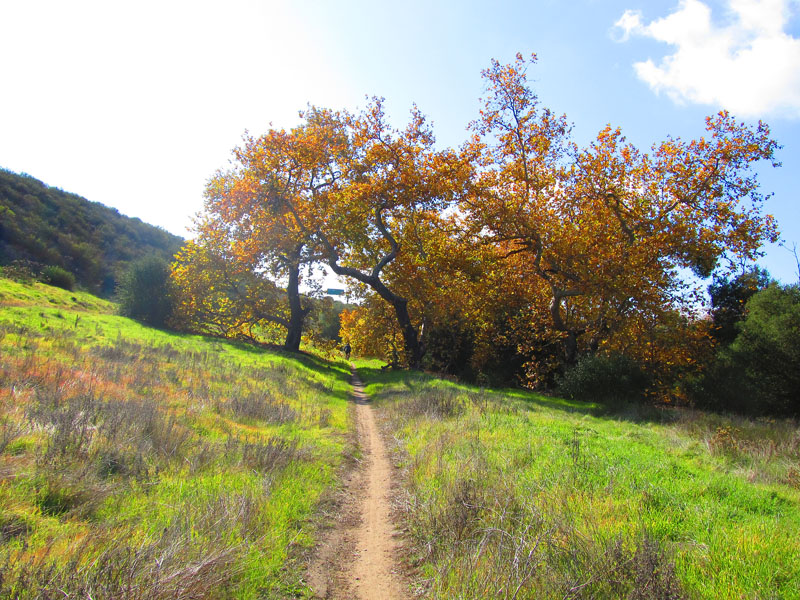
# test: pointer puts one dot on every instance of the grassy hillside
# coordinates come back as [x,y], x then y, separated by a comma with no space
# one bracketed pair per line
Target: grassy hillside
[515,495]
[141,464]
[51,227]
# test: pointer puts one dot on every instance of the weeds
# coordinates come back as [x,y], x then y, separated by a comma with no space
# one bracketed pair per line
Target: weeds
[120,480]
[261,406]
[768,449]
[261,456]
[173,565]
[437,404]
[535,498]
[8,433]
[492,541]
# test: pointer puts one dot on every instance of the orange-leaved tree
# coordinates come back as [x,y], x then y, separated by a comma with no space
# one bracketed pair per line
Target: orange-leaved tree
[606,232]
[263,207]
[216,293]
[370,222]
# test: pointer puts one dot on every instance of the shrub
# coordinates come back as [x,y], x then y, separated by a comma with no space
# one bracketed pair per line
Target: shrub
[261,406]
[58,277]
[441,404]
[450,347]
[609,379]
[728,300]
[759,373]
[144,292]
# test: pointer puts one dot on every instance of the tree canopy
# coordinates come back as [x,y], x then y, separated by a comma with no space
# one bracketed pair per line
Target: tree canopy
[519,250]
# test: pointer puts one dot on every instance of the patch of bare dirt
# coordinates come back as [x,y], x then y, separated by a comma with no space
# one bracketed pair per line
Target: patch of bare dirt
[360,555]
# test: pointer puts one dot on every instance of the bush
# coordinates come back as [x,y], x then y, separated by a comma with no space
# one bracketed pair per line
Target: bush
[144,293]
[450,347]
[609,379]
[58,277]
[729,299]
[759,373]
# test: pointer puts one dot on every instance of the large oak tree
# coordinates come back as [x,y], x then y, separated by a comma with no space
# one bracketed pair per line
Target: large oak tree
[393,185]
[607,232]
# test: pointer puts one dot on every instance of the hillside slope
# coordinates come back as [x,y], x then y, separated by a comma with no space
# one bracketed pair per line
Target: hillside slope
[137,463]
[51,227]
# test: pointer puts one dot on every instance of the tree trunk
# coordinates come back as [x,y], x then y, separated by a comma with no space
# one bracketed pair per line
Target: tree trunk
[413,346]
[571,337]
[414,349]
[571,347]
[297,314]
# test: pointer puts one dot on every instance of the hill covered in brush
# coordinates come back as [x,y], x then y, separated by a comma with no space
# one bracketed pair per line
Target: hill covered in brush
[47,226]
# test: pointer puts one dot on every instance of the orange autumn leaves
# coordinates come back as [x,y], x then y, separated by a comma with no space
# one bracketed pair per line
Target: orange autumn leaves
[521,237]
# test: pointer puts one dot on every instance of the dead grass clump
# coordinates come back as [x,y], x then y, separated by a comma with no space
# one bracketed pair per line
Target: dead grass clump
[12,527]
[793,477]
[519,551]
[486,537]
[723,441]
[171,567]
[768,449]
[71,494]
[121,351]
[9,432]
[261,406]
[628,567]
[261,456]
[652,573]
[121,435]
[196,556]
[69,422]
[439,404]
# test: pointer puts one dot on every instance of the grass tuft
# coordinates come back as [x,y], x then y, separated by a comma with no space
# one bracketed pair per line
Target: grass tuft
[135,463]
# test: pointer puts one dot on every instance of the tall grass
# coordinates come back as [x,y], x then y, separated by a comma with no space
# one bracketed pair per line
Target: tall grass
[139,464]
[514,495]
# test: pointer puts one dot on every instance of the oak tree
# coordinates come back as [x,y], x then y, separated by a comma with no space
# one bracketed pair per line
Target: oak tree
[605,232]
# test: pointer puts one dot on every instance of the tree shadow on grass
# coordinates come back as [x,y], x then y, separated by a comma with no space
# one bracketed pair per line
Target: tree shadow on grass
[388,384]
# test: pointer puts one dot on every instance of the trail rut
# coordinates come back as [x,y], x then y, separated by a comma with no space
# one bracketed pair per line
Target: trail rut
[359,557]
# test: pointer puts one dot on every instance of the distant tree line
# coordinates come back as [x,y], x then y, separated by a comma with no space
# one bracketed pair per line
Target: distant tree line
[46,227]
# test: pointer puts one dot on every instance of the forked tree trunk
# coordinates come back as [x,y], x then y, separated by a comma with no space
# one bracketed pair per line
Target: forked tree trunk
[411,340]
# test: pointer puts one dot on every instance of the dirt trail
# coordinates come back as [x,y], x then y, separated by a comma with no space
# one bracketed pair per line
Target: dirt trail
[359,556]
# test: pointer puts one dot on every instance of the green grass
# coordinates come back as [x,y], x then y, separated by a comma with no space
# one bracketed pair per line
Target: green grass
[512,494]
[142,463]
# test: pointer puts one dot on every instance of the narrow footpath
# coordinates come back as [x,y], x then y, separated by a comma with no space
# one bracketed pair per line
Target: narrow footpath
[359,557]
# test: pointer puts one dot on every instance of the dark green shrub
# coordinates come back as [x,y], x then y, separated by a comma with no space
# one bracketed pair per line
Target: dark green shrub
[58,277]
[759,373]
[608,379]
[729,298]
[144,292]
[449,348]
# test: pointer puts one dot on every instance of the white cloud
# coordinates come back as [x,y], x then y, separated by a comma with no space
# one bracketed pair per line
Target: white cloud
[748,65]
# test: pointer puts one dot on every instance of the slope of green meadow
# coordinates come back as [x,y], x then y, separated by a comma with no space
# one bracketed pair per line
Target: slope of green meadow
[515,495]
[145,464]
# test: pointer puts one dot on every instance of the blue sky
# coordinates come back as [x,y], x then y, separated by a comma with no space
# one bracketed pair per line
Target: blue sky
[136,104]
